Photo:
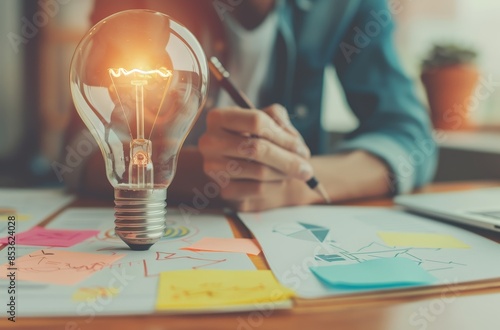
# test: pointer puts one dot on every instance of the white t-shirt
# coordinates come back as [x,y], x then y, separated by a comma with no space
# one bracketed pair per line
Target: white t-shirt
[248,64]
[250,57]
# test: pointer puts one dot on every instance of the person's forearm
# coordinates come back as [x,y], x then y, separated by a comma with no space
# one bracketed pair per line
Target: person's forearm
[347,176]
[352,175]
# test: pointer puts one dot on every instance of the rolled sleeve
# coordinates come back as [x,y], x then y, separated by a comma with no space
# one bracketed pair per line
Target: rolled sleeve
[394,124]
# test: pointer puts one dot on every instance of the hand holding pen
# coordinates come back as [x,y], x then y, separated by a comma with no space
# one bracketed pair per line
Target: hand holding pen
[241,100]
[273,150]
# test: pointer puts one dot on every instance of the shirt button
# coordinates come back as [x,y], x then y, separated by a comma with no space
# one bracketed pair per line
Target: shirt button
[301,111]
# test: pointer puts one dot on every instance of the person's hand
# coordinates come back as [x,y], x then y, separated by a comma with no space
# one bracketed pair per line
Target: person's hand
[257,157]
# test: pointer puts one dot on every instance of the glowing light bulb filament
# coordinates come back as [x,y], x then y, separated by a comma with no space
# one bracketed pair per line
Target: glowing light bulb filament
[164,73]
[141,165]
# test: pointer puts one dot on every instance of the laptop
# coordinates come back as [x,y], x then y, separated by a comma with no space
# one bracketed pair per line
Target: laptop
[478,208]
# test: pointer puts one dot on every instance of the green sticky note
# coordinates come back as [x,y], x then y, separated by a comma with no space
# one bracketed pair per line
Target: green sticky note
[421,240]
[377,273]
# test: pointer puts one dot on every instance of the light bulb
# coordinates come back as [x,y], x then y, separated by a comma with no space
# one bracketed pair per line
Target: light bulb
[139,80]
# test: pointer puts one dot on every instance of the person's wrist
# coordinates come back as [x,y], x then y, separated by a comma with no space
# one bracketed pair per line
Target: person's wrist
[351,175]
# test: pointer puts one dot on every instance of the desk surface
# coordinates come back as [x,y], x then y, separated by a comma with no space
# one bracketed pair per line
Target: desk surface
[446,308]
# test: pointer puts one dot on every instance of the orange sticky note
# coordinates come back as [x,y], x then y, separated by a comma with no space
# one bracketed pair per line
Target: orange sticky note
[242,245]
[57,266]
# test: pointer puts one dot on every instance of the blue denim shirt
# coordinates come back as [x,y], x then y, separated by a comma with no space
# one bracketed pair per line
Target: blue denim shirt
[356,37]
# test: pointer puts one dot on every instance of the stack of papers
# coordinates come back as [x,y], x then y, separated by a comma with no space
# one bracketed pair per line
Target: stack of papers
[324,251]
[80,263]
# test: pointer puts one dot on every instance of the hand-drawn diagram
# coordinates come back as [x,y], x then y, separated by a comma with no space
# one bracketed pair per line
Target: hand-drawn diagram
[90,271]
[304,231]
[354,237]
[331,251]
[375,250]
[175,260]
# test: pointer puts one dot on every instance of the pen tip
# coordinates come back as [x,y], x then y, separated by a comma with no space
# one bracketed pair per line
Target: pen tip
[321,190]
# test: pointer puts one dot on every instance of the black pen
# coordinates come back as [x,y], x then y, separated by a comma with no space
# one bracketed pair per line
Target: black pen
[242,101]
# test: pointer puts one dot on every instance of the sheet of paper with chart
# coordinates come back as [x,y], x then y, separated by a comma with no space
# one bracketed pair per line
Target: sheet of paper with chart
[117,281]
[30,206]
[300,241]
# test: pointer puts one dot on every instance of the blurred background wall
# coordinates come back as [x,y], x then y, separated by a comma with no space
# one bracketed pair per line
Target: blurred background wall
[39,36]
[18,92]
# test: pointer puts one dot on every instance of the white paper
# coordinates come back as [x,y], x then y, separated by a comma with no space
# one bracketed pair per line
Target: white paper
[349,235]
[30,206]
[136,274]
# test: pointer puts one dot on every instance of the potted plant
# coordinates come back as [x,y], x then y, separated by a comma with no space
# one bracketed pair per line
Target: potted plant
[450,76]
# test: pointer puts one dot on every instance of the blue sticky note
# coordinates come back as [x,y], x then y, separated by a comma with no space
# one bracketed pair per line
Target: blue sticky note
[376,273]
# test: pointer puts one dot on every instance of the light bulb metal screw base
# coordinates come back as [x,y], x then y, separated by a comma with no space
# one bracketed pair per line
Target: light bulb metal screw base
[140,216]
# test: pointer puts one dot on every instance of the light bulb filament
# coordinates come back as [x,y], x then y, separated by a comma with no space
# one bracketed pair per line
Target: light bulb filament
[139,78]
[129,85]
[162,72]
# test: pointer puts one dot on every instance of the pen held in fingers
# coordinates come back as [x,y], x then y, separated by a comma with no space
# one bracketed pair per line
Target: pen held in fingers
[223,77]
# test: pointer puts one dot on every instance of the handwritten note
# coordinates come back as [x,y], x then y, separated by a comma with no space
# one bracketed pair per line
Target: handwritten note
[91,294]
[243,245]
[40,236]
[421,240]
[58,266]
[192,289]
[376,273]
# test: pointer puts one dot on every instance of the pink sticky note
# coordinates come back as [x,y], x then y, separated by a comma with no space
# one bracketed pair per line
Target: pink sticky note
[244,245]
[57,266]
[40,236]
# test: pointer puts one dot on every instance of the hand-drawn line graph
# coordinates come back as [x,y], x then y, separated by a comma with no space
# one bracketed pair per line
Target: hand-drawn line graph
[152,268]
[202,262]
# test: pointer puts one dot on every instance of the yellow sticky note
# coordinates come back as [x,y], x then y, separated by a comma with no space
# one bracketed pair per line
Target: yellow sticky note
[421,240]
[6,213]
[92,293]
[194,289]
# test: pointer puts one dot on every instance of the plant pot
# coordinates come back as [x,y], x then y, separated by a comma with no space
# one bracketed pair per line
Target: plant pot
[449,91]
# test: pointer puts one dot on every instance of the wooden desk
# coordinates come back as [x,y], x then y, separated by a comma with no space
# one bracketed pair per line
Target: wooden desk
[447,308]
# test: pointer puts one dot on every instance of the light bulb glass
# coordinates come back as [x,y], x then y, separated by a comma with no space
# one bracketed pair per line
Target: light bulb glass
[139,80]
